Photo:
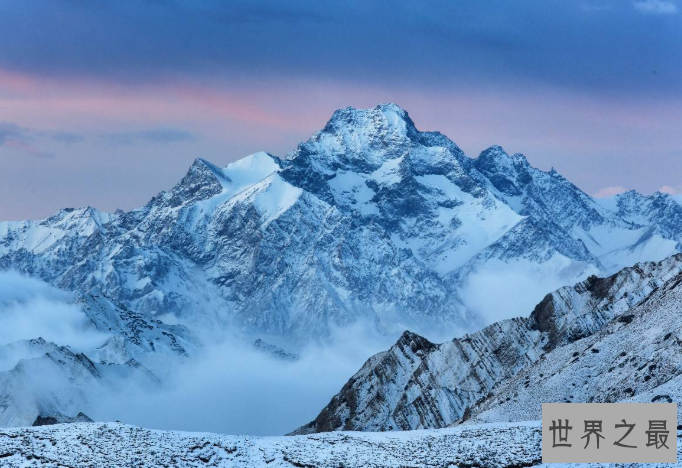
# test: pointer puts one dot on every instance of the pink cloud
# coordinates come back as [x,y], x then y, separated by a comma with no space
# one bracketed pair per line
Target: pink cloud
[609,191]
[671,190]
[553,127]
[284,111]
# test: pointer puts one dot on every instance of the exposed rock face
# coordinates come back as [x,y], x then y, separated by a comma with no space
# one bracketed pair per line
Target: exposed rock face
[58,418]
[604,339]
[634,357]
[274,351]
[368,219]
[134,335]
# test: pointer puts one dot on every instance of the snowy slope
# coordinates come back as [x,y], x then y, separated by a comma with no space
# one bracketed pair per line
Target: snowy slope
[636,357]
[580,344]
[369,219]
[60,381]
[115,445]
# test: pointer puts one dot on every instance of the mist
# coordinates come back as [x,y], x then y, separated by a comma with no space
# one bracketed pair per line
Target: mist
[31,309]
[234,388]
[502,290]
[228,386]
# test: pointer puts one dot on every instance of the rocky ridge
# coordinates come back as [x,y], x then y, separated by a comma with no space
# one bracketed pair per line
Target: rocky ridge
[603,340]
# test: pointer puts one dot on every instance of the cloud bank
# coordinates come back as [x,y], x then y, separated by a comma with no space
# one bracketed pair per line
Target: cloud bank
[31,309]
[656,7]
[234,388]
[229,387]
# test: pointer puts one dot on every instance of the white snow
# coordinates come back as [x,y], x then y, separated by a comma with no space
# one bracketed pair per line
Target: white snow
[649,248]
[501,445]
[275,196]
[116,445]
[237,177]
[389,172]
[351,189]
[249,170]
[479,225]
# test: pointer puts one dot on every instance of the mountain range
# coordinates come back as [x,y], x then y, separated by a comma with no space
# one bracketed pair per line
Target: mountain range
[369,222]
[602,340]
[370,219]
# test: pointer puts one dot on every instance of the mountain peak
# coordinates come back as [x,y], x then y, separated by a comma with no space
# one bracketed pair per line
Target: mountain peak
[503,170]
[358,140]
[383,119]
[497,156]
[203,166]
[386,109]
[414,341]
[630,195]
[390,107]
[520,158]
[203,180]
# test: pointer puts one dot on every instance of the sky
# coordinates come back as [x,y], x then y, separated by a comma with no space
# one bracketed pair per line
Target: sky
[107,103]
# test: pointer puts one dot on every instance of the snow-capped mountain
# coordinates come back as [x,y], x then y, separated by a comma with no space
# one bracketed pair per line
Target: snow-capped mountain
[369,219]
[602,340]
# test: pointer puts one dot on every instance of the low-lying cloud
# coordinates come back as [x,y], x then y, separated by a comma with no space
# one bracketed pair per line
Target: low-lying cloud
[492,291]
[32,309]
[234,388]
[229,386]
[609,191]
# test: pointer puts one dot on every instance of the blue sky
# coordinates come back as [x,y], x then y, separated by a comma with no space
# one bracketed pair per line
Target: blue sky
[106,103]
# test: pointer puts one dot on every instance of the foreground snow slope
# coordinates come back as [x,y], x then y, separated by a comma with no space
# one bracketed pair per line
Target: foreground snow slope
[115,445]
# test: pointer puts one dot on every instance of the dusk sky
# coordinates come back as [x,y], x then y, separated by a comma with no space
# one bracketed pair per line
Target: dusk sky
[105,103]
